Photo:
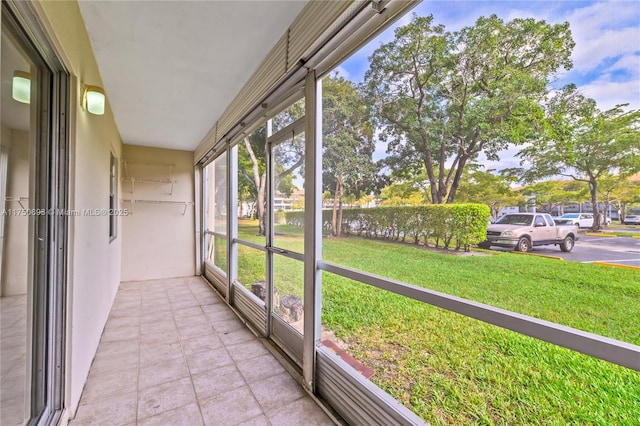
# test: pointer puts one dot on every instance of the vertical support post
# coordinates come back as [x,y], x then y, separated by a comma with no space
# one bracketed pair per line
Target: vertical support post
[232,219]
[268,230]
[198,178]
[207,184]
[312,227]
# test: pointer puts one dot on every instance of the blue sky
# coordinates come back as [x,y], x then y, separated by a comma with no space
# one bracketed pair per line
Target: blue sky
[606,58]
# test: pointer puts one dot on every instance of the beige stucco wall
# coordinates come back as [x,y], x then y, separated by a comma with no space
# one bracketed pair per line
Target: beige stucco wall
[158,235]
[15,252]
[94,260]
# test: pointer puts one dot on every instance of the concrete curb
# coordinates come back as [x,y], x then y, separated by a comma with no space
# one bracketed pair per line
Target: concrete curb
[548,256]
[616,265]
[597,234]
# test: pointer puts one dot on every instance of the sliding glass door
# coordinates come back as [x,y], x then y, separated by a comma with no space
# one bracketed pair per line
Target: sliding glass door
[33,235]
[285,239]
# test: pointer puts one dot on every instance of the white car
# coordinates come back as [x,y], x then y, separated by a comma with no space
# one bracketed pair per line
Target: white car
[631,219]
[581,220]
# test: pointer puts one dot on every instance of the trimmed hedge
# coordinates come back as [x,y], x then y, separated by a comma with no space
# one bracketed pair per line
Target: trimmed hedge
[443,225]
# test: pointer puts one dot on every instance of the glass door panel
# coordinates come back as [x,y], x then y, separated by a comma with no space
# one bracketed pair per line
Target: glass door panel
[216,212]
[288,282]
[287,236]
[252,272]
[18,76]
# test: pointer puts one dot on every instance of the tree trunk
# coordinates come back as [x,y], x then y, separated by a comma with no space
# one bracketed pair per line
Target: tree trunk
[433,183]
[261,188]
[336,220]
[334,217]
[494,211]
[262,205]
[456,180]
[341,195]
[597,217]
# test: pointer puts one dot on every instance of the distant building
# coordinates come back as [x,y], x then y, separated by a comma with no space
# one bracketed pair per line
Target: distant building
[285,203]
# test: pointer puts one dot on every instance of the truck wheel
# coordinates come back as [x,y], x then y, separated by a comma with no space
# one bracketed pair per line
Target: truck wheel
[567,244]
[524,245]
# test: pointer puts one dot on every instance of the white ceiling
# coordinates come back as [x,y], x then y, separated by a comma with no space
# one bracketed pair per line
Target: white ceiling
[170,68]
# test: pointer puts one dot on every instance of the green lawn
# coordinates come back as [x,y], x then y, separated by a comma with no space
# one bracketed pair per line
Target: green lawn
[450,369]
[624,234]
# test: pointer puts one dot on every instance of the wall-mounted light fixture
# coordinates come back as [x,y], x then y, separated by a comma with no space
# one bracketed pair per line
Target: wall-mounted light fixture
[94,100]
[21,90]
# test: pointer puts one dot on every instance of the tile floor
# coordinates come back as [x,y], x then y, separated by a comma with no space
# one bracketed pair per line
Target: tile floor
[13,366]
[173,353]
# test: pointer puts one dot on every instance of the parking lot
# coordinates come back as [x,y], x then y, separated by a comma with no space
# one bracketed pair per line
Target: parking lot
[589,249]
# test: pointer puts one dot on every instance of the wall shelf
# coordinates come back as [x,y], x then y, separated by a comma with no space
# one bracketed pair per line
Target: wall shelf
[133,202]
[163,169]
[18,200]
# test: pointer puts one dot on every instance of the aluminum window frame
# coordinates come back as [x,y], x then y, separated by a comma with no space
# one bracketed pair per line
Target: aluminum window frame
[212,233]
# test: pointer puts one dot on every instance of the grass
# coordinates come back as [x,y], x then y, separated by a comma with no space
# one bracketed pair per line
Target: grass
[450,369]
[288,274]
[620,225]
[589,297]
[625,234]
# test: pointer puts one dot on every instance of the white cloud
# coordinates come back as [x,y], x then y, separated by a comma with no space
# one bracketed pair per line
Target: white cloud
[603,14]
[602,31]
[608,94]
[629,63]
[593,49]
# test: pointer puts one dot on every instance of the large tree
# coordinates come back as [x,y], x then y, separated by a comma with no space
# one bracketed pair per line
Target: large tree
[584,143]
[347,137]
[442,98]
[550,195]
[626,196]
[403,193]
[619,192]
[253,172]
[491,189]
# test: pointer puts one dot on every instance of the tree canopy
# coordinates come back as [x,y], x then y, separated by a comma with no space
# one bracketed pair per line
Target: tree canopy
[489,188]
[348,168]
[584,143]
[441,97]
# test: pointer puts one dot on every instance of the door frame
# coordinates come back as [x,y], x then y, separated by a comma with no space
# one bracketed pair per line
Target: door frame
[48,232]
[289,339]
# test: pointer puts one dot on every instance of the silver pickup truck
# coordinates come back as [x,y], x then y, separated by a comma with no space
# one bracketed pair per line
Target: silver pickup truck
[522,231]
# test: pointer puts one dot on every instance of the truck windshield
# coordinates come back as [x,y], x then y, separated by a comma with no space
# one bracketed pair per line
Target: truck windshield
[515,219]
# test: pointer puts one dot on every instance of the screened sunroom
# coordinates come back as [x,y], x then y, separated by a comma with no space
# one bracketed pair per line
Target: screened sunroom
[235,234]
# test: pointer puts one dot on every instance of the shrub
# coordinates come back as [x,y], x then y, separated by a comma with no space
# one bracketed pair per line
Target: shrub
[446,225]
